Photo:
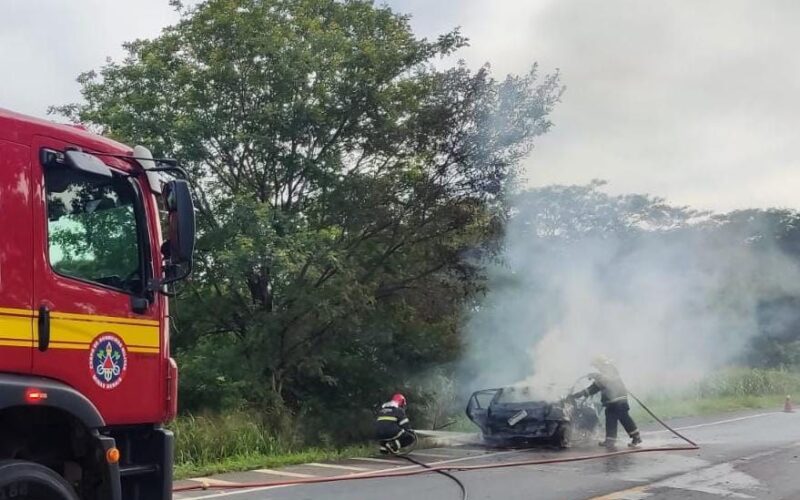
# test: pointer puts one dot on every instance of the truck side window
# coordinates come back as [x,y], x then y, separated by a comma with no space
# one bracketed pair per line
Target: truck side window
[92,228]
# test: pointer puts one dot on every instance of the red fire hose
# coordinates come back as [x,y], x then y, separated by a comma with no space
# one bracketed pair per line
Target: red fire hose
[444,469]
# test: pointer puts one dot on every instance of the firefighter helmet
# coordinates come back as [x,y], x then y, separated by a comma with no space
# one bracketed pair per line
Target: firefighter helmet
[400,400]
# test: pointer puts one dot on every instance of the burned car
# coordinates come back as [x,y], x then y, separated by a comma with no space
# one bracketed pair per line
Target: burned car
[515,416]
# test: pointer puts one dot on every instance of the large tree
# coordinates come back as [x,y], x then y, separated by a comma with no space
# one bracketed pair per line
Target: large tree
[347,186]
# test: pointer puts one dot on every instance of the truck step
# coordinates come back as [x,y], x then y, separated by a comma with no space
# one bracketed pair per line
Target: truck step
[137,470]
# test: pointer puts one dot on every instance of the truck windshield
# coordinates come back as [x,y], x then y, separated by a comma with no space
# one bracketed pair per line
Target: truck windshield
[92,228]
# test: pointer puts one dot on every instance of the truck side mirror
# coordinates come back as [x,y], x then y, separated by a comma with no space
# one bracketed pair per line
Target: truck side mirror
[180,245]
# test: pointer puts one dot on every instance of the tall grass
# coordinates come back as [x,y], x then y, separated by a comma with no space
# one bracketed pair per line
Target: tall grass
[736,382]
[731,389]
[240,440]
[213,438]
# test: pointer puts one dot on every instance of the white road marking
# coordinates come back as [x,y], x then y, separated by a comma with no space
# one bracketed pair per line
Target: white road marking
[432,455]
[711,424]
[635,493]
[340,467]
[284,473]
[549,468]
[213,482]
[239,492]
[376,460]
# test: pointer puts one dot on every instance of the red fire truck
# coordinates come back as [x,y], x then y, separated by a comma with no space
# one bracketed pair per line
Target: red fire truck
[86,378]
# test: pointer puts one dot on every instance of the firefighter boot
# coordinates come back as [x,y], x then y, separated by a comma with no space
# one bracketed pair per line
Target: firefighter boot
[609,444]
[636,440]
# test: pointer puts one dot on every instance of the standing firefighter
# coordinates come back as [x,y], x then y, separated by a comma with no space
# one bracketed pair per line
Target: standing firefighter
[614,396]
[392,427]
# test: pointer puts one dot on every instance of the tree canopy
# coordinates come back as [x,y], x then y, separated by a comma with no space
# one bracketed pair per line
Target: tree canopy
[347,186]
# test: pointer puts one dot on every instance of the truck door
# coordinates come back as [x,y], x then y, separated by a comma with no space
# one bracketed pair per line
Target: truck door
[92,260]
[16,261]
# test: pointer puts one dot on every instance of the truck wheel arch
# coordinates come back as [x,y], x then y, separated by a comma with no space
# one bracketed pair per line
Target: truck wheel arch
[14,390]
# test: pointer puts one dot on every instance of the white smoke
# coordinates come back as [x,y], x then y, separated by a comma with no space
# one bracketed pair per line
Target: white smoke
[669,304]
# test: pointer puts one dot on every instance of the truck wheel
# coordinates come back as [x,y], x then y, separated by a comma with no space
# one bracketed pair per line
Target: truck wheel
[20,480]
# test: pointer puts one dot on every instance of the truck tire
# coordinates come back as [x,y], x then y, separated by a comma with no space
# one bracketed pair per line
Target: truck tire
[21,480]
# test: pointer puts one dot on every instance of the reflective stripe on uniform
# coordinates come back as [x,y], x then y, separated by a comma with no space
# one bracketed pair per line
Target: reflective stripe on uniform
[621,398]
[387,419]
[403,422]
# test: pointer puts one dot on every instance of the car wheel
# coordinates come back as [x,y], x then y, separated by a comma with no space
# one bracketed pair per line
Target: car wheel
[563,436]
[22,480]
[492,441]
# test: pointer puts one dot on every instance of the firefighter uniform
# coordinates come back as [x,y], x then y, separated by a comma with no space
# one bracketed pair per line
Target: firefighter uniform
[614,397]
[392,427]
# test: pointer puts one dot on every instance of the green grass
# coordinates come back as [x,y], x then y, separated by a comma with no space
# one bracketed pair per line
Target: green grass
[729,390]
[237,441]
[675,408]
[250,461]
[749,382]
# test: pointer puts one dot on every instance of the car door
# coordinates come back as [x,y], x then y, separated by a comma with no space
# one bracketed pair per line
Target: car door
[478,407]
[92,260]
[16,261]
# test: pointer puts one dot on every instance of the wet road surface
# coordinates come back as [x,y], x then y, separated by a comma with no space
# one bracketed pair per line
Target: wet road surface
[744,455]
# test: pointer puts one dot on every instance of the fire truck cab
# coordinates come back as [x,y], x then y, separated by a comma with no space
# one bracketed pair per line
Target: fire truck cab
[86,377]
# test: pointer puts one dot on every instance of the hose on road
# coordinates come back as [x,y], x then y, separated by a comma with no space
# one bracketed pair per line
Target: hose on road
[442,472]
[692,443]
[445,469]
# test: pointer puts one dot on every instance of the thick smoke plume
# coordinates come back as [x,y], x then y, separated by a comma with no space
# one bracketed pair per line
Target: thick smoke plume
[668,293]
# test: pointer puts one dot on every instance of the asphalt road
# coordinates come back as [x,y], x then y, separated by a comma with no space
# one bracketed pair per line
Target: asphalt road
[745,455]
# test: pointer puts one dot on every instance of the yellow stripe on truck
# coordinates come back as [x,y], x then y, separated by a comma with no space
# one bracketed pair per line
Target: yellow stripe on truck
[85,347]
[16,327]
[16,343]
[83,331]
[103,319]
[77,331]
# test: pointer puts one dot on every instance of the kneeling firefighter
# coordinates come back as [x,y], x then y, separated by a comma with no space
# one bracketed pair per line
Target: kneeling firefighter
[392,427]
[614,396]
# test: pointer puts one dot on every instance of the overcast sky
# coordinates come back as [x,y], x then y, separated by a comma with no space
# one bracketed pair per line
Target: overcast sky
[698,102]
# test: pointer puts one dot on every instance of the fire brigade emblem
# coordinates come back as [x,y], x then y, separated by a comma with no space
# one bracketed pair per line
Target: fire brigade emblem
[108,361]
